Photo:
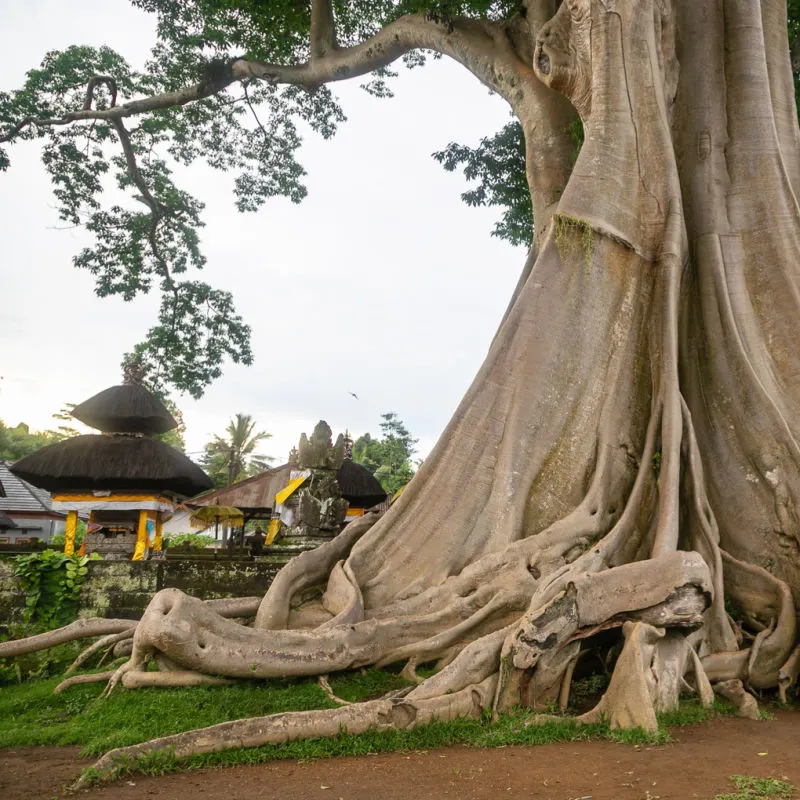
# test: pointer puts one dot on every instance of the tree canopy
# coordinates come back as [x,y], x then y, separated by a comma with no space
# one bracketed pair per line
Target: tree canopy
[230,84]
[19,441]
[389,457]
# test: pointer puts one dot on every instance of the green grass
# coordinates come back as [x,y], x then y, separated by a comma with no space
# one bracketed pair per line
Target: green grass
[748,788]
[31,715]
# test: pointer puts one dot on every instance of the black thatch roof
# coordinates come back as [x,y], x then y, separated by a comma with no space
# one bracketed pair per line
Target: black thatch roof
[112,462]
[359,486]
[127,408]
[6,522]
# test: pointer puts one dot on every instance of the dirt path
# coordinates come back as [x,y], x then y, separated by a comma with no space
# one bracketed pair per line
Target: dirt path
[696,765]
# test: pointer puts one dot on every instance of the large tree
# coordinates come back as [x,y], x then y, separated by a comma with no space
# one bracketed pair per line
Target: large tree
[627,457]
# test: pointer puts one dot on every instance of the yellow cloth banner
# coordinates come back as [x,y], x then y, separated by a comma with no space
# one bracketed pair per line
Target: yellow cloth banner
[141,538]
[284,494]
[159,537]
[272,530]
[69,533]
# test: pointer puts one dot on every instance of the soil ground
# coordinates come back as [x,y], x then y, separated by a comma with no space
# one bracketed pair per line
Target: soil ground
[697,764]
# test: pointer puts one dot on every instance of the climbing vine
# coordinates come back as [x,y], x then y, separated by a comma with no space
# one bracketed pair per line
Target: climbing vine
[52,584]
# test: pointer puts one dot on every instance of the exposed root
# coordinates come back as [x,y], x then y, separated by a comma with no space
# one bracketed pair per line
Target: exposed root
[326,687]
[746,705]
[77,680]
[106,641]
[123,648]
[409,671]
[788,674]
[762,596]
[80,629]
[628,701]
[307,569]
[384,714]
[176,678]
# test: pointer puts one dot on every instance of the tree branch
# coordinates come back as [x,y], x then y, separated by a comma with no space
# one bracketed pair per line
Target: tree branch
[323,31]
[479,45]
[181,97]
[157,209]
[483,47]
[94,83]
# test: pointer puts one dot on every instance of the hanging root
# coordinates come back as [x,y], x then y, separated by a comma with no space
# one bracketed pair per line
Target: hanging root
[380,715]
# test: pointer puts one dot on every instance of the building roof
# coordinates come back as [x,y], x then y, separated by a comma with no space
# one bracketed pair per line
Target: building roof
[94,462]
[6,522]
[257,492]
[358,485]
[19,495]
[127,408]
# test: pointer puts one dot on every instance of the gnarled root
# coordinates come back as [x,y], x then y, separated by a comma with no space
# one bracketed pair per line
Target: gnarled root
[628,701]
[384,714]
[79,680]
[326,687]
[788,674]
[107,641]
[80,629]
[768,603]
[734,691]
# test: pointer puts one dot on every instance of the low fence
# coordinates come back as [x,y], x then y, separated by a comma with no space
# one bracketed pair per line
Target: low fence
[122,589]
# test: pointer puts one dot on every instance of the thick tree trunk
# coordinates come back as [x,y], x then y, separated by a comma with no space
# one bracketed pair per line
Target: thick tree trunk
[627,455]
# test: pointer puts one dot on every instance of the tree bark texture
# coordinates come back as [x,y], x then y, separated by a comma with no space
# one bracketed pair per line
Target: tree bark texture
[627,456]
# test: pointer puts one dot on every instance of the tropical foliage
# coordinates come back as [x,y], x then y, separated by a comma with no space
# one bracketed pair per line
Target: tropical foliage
[233,457]
[52,584]
[19,441]
[389,457]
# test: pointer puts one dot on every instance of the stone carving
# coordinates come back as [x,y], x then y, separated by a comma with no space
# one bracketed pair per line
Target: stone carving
[317,510]
[318,452]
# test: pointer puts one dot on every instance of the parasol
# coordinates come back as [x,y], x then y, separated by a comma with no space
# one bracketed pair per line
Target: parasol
[202,517]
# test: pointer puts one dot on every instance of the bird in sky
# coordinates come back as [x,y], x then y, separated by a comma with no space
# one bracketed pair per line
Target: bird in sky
[353,394]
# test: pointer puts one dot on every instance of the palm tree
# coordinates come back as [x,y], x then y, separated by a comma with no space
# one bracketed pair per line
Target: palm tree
[232,457]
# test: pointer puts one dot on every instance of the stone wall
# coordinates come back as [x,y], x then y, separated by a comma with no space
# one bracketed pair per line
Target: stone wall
[12,601]
[123,588]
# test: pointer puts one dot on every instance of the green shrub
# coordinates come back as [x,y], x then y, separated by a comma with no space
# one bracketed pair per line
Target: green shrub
[59,540]
[52,585]
[188,541]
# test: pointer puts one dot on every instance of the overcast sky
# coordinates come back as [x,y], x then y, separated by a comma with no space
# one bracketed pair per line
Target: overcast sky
[382,282]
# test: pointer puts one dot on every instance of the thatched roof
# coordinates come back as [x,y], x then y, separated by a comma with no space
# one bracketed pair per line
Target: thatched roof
[127,408]
[359,486]
[94,462]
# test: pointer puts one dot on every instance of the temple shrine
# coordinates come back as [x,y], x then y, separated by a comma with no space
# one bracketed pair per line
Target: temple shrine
[125,479]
